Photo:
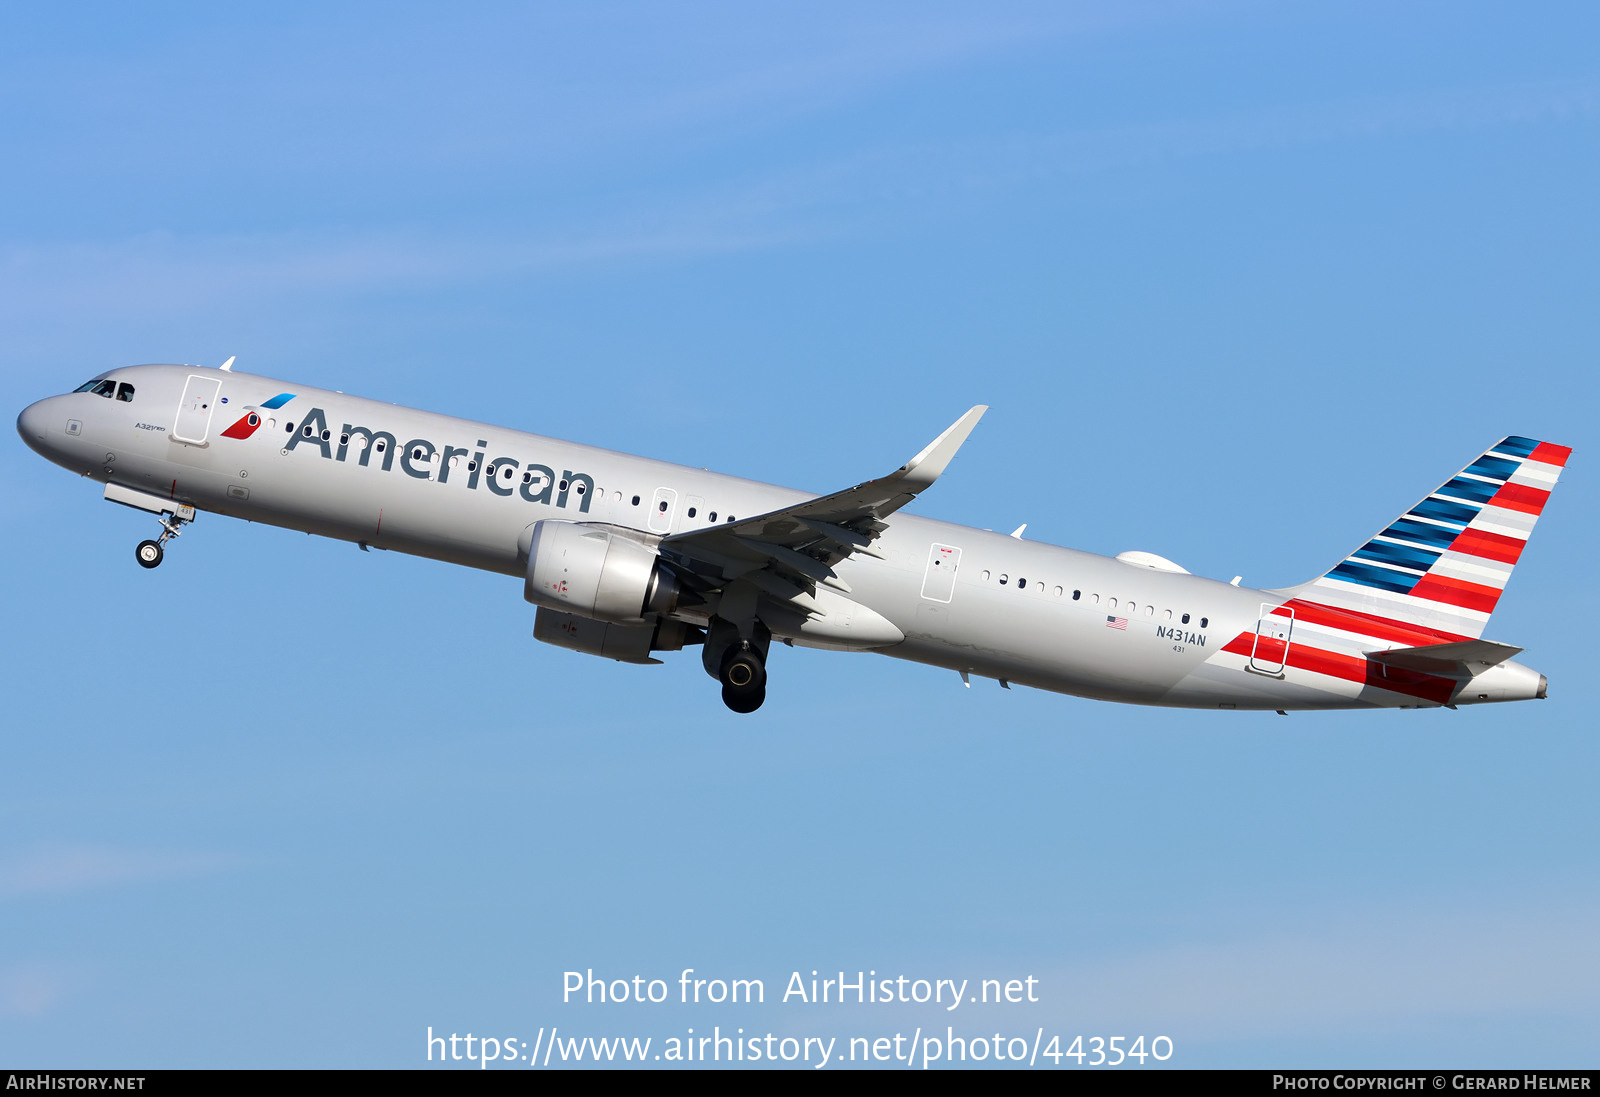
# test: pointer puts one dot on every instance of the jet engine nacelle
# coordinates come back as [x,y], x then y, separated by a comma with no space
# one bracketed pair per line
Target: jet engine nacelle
[624,643]
[586,569]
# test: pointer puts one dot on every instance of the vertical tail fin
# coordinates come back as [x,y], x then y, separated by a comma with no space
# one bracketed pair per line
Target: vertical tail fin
[1443,564]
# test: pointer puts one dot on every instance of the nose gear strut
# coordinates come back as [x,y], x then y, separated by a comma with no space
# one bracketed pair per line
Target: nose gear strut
[150,553]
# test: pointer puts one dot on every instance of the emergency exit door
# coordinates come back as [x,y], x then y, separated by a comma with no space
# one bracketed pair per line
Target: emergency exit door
[939,580]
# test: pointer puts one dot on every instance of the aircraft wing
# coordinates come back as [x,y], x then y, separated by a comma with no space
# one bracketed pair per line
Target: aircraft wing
[804,541]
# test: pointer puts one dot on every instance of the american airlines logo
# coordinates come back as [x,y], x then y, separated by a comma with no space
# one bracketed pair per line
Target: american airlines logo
[251,419]
[504,476]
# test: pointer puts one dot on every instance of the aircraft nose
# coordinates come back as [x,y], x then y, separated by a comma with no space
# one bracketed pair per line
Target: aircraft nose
[34,425]
[30,424]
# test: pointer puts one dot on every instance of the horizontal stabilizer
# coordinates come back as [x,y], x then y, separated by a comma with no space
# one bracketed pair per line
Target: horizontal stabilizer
[1467,657]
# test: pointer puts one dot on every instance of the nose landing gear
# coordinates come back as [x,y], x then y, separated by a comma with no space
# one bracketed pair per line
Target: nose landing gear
[150,553]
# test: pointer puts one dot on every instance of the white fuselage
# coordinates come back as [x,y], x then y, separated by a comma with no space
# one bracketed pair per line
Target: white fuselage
[466,493]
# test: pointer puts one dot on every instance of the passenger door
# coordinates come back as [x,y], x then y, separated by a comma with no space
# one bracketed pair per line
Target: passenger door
[1270,652]
[194,410]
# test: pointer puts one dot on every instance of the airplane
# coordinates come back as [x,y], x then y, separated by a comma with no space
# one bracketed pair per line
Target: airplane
[626,557]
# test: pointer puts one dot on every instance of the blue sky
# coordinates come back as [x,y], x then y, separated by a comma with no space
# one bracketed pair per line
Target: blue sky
[1240,281]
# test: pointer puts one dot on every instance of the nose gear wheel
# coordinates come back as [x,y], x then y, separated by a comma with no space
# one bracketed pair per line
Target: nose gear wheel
[150,553]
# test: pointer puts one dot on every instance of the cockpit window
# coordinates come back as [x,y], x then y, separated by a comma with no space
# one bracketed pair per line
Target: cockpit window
[125,393]
[102,388]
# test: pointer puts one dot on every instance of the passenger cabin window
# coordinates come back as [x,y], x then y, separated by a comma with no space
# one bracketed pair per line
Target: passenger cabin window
[712,516]
[691,512]
[125,393]
[1076,595]
[1022,584]
[1186,618]
[1203,622]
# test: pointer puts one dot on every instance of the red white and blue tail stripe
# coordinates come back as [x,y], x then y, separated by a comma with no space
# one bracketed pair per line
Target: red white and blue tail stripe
[1442,565]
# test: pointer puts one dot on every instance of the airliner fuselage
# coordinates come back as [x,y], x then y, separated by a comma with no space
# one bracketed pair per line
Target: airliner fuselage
[626,556]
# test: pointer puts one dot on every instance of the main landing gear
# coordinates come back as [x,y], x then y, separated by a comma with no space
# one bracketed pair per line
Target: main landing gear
[743,677]
[150,553]
[738,662]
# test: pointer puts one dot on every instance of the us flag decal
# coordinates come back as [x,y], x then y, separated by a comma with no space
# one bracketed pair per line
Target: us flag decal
[1117,623]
